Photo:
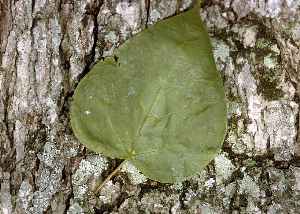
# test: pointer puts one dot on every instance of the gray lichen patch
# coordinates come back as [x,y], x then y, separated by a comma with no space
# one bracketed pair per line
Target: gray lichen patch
[89,168]
[160,9]
[111,40]
[75,208]
[48,179]
[71,148]
[224,168]
[270,62]
[135,176]
[280,120]
[248,186]
[25,195]
[221,51]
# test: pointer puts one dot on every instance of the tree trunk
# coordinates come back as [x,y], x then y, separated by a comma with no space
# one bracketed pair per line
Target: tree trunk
[48,46]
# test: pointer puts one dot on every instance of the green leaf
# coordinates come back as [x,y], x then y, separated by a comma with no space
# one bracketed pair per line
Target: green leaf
[160,105]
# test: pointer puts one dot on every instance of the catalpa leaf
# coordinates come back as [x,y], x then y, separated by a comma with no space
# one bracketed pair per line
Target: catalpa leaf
[159,103]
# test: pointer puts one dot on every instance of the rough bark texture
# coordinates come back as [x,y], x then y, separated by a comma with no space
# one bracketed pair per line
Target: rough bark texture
[48,46]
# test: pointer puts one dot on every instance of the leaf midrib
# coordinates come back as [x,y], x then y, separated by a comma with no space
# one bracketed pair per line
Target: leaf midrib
[156,98]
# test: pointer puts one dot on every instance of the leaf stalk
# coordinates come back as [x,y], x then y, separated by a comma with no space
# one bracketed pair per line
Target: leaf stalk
[110,176]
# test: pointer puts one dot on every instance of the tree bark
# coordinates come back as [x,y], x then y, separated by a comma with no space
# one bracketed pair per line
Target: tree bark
[48,46]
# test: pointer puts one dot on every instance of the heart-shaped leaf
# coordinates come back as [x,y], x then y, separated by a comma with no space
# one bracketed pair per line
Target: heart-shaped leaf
[158,103]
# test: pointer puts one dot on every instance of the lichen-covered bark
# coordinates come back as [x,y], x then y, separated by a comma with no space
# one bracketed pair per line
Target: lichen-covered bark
[48,46]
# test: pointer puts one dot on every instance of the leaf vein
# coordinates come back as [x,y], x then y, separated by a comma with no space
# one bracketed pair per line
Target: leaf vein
[156,98]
